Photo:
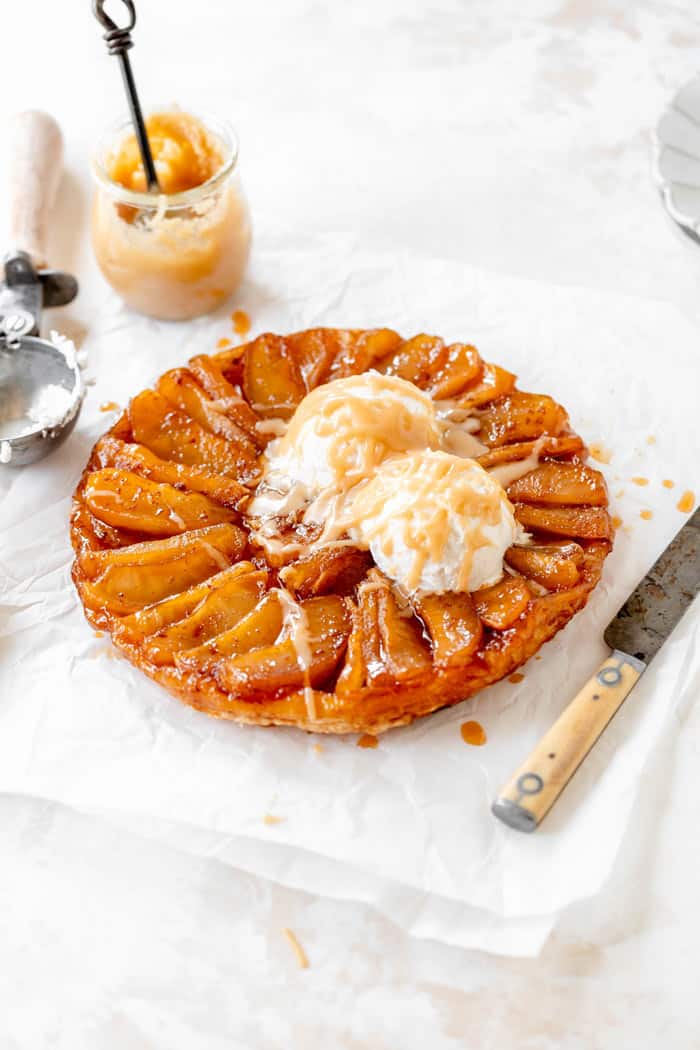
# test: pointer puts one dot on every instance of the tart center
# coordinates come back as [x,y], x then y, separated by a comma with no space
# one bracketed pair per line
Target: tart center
[368,458]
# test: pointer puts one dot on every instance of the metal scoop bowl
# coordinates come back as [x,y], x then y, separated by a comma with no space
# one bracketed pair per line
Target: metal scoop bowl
[41,389]
[40,397]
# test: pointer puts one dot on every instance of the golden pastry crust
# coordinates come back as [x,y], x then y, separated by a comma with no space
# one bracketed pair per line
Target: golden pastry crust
[166,564]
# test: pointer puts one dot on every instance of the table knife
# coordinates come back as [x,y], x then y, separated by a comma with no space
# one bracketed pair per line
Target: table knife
[635,635]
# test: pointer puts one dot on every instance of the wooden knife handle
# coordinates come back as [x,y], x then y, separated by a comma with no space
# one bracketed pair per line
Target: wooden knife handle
[35,158]
[536,786]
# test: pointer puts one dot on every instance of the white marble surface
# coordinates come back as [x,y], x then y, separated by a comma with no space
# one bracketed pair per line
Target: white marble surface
[510,136]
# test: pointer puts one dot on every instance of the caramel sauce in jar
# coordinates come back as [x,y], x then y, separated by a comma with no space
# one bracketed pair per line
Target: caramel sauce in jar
[183,252]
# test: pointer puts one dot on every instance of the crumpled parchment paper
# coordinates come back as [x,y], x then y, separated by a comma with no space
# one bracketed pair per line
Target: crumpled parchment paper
[406,826]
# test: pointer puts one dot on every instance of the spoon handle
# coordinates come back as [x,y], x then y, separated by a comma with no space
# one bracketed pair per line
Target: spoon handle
[118,39]
[36,156]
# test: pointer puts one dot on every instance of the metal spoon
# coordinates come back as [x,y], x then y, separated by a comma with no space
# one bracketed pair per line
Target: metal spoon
[118,39]
[41,389]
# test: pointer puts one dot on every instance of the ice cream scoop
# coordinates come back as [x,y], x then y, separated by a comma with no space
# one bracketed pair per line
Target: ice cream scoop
[41,389]
[339,435]
[433,522]
[367,458]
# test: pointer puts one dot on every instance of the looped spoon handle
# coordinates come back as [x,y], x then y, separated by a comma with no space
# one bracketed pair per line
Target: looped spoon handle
[118,40]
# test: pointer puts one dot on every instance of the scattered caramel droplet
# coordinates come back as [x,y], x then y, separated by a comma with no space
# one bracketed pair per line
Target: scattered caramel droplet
[616,522]
[318,748]
[299,952]
[641,481]
[515,678]
[646,514]
[223,343]
[270,818]
[473,733]
[651,440]
[367,740]
[686,502]
[600,453]
[99,634]
[241,322]
[667,483]
[108,406]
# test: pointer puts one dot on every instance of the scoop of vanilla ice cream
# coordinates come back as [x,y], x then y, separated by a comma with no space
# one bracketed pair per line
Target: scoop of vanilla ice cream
[433,522]
[338,436]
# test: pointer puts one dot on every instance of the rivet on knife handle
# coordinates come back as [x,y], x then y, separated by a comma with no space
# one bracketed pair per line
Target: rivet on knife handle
[531,792]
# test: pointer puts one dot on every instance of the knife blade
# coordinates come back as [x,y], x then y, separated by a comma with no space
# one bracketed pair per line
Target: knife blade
[634,635]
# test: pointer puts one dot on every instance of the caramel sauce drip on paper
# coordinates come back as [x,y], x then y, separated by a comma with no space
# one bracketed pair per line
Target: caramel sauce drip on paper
[600,453]
[686,502]
[473,733]
[241,322]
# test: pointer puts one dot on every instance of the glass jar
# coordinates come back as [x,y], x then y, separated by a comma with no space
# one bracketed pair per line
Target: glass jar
[172,256]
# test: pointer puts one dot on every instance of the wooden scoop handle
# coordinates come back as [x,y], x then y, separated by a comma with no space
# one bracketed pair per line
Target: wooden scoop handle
[536,786]
[35,158]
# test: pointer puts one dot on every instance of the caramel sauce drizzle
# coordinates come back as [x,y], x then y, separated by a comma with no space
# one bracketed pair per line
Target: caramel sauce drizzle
[295,626]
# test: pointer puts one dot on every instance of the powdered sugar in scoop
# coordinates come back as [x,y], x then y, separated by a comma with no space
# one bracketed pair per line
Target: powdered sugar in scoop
[50,407]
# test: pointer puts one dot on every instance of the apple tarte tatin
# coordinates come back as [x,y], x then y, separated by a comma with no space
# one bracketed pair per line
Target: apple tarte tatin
[340,530]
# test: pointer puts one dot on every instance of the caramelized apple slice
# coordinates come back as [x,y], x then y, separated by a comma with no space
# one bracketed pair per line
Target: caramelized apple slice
[227,398]
[461,365]
[209,373]
[590,523]
[124,580]
[393,648]
[228,601]
[181,388]
[90,534]
[494,382]
[224,542]
[126,501]
[554,484]
[146,622]
[360,350]
[173,435]
[454,626]
[353,676]
[272,382]
[554,566]
[519,417]
[277,667]
[112,452]
[315,351]
[228,362]
[564,445]
[500,605]
[261,627]
[416,360]
[336,569]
